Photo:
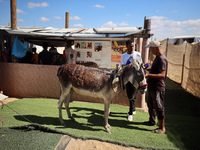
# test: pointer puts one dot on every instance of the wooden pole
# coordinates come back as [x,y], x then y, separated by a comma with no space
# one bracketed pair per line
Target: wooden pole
[13,9]
[145,50]
[144,53]
[67,20]
[147,30]
[139,42]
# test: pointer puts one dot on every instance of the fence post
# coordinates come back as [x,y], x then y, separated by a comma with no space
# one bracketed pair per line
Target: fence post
[167,46]
[183,64]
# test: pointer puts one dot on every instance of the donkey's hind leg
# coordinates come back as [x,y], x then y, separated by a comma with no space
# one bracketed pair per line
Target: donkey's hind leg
[66,102]
[106,114]
[64,93]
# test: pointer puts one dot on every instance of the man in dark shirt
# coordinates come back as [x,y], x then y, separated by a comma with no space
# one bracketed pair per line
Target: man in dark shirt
[45,56]
[156,87]
[27,58]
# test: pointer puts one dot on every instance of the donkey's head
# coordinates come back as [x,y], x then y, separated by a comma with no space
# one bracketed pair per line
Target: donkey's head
[133,73]
[139,80]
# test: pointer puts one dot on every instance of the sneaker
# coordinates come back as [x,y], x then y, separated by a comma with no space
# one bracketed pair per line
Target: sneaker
[130,118]
[134,112]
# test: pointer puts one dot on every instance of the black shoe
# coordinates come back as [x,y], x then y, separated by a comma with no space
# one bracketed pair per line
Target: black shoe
[148,123]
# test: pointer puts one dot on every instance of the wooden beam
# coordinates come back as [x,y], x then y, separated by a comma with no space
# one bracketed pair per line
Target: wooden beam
[74,31]
[95,29]
[67,20]
[13,9]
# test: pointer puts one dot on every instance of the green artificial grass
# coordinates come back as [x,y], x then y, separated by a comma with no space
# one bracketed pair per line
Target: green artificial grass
[182,120]
[89,122]
[11,139]
[182,117]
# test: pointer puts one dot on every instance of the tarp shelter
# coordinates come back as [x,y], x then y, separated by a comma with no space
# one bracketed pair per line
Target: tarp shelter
[57,36]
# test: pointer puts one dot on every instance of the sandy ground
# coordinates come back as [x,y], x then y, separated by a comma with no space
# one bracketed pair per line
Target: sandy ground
[68,143]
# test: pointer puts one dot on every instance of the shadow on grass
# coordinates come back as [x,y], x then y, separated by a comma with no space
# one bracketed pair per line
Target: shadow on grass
[94,117]
[55,122]
[115,119]
[182,117]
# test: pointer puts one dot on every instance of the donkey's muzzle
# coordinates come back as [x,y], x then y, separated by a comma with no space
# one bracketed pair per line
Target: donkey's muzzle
[143,88]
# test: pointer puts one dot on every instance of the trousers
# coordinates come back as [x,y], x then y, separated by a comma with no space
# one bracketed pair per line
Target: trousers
[155,103]
[130,91]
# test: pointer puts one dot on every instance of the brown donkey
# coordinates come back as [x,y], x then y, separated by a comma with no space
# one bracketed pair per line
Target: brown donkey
[96,82]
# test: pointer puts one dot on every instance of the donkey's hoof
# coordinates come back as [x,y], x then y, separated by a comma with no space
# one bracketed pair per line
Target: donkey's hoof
[108,131]
[107,126]
[72,119]
[63,124]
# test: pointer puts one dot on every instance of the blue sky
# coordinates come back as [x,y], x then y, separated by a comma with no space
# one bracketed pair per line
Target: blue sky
[169,17]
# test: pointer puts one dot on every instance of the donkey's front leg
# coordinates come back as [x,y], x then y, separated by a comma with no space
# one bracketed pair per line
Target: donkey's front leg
[60,103]
[106,114]
[67,105]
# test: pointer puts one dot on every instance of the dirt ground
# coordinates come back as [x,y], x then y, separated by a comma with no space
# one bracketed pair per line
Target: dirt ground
[68,143]
[78,144]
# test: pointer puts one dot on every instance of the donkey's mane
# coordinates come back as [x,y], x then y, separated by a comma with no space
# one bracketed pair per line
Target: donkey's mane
[126,69]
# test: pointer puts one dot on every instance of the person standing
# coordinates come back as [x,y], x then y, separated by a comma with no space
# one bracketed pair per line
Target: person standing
[69,55]
[45,56]
[54,55]
[130,89]
[35,56]
[3,56]
[156,87]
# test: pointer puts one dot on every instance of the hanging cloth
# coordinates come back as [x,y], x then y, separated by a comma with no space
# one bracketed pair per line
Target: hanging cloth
[19,49]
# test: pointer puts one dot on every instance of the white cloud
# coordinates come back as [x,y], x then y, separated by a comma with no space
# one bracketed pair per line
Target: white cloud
[109,24]
[99,6]
[20,20]
[128,14]
[43,19]
[158,17]
[163,28]
[78,25]
[75,18]
[124,23]
[32,5]
[57,17]
[20,11]
[193,28]
[175,11]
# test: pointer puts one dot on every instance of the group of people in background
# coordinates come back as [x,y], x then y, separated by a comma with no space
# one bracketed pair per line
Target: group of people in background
[45,57]
[51,56]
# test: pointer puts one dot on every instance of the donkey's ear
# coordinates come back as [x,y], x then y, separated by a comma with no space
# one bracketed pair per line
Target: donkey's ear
[116,85]
[135,63]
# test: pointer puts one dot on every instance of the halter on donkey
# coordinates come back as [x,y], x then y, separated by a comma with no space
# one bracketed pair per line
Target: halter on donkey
[97,83]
